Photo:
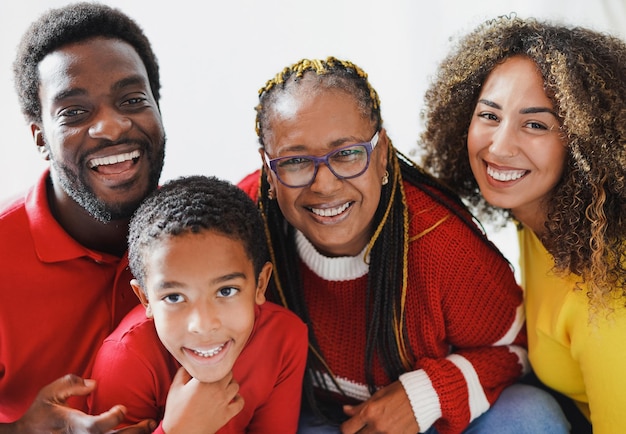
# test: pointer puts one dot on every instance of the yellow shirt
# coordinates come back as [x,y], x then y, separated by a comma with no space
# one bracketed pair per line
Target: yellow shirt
[585,361]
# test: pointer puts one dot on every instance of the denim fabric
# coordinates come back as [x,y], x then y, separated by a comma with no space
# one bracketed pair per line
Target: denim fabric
[520,409]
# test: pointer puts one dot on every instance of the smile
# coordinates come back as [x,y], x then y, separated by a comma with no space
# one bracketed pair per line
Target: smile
[330,212]
[113,159]
[210,353]
[505,175]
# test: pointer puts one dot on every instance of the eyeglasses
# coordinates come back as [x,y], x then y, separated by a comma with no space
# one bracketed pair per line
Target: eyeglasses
[346,162]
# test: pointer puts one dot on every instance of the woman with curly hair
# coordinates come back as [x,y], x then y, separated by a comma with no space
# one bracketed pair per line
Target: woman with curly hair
[527,120]
[415,319]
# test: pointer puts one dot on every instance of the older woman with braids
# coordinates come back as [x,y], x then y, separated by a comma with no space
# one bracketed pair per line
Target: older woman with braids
[527,120]
[415,318]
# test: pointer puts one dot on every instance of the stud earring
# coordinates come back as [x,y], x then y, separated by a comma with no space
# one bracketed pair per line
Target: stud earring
[270,193]
[385,179]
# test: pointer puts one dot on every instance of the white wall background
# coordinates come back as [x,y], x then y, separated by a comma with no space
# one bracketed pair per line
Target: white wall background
[215,55]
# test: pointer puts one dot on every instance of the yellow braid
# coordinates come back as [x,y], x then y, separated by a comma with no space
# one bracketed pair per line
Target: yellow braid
[320,67]
[268,236]
[398,328]
[279,287]
[398,325]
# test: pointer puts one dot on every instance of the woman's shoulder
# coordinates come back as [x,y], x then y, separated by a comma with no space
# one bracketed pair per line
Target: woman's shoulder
[250,184]
[429,207]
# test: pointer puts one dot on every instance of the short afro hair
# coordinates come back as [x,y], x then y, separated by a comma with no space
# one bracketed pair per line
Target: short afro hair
[69,24]
[191,205]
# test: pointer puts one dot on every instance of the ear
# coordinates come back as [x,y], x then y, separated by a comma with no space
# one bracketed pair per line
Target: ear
[268,171]
[141,295]
[37,133]
[383,153]
[263,281]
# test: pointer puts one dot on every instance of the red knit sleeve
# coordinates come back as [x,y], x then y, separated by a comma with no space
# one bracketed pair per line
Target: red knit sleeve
[474,302]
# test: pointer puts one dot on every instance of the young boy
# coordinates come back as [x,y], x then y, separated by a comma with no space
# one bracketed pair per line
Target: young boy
[199,257]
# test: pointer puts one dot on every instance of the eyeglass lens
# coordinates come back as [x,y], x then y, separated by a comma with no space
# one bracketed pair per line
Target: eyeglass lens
[347,162]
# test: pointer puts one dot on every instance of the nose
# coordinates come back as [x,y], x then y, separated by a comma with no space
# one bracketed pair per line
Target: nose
[203,319]
[109,124]
[504,142]
[325,181]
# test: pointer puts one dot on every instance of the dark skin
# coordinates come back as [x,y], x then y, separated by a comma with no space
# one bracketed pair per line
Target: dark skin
[109,238]
[387,411]
[48,414]
[102,133]
[97,104]
[314,124]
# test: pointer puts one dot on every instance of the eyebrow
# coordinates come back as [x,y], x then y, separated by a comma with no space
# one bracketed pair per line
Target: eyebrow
[334,144]
[227,277]
[524,111]
[173,284]
[128,81]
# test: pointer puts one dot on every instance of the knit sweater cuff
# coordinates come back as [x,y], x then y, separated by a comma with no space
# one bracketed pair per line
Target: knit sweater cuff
[423,397]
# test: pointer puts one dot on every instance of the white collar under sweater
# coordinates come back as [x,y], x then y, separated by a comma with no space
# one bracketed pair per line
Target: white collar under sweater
[339,268]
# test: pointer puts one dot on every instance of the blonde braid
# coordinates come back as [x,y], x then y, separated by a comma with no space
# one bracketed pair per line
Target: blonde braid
[320,67]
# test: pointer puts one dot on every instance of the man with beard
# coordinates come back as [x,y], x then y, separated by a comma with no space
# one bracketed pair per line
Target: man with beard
[88,84]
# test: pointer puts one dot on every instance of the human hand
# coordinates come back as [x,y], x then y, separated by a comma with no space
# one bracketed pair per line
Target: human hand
[49,413]
[143,427]
[387,411]
[193,407]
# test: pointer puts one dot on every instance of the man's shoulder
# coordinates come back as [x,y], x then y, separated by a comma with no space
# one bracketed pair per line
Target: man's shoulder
[26,201]
[11,205]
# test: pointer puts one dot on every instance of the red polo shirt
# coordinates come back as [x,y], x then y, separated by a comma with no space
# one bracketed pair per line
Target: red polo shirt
[58,301]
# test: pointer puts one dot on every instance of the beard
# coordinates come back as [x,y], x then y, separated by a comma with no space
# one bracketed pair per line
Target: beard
[75,185]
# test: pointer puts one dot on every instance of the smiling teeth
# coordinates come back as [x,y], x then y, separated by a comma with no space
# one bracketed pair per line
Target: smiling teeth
[210,353]
[330,212]
[505,175]
[113,159]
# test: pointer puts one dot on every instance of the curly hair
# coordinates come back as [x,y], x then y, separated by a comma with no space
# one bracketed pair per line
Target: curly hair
[388,247]
[69,24]
[190,205]
[584,75]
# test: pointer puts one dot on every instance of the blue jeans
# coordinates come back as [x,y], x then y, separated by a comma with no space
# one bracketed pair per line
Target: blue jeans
[520,409]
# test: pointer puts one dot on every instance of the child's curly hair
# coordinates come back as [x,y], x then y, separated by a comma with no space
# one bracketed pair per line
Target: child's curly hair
[192,204]
[584,74]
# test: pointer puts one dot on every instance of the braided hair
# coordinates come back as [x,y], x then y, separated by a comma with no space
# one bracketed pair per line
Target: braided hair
[386,335]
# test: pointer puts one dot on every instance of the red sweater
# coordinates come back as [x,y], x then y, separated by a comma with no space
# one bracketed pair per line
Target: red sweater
[464,316]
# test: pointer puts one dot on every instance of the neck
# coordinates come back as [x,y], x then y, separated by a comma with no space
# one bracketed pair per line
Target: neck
[533,221]
[110,237]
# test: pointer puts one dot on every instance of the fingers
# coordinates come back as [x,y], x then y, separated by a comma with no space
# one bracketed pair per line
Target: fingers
[350,410]
[64,387]
[353,425]
[232,389]
[182,377]
[101,423]
[236,404]
[144,427]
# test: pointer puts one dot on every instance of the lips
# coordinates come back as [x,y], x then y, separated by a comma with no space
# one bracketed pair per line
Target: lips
[210,352]
[112,164]
[330,212]
[505,175]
